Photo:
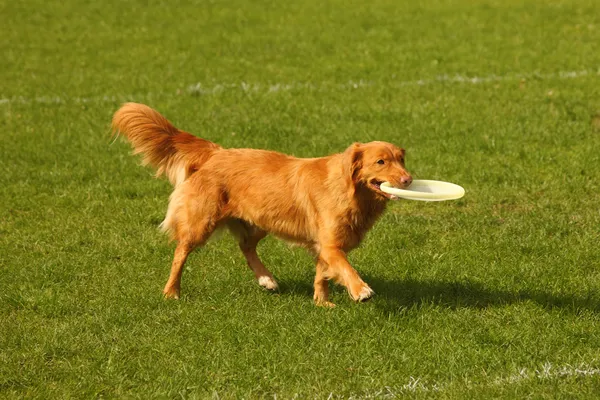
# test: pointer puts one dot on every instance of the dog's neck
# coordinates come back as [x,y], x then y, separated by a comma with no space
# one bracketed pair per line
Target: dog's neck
[367,208]
[369,203]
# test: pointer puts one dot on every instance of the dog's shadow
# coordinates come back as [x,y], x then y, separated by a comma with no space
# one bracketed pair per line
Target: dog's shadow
[394,296]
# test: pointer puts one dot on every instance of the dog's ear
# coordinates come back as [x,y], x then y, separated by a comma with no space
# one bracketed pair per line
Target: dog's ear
[353,160]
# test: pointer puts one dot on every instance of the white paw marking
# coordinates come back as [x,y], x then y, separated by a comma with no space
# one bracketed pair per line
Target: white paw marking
[267,282]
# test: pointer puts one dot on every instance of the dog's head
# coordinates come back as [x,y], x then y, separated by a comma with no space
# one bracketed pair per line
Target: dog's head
[371,164]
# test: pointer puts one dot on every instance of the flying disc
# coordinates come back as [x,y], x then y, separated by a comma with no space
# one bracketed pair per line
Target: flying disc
[426,190]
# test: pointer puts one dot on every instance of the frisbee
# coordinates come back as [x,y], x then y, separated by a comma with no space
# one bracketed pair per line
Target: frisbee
[426,190]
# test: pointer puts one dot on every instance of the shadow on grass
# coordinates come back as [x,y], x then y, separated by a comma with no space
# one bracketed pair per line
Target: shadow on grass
[395,295]
[296,287]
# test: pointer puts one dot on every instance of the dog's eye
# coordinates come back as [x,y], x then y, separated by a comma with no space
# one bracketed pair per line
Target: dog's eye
[380,162]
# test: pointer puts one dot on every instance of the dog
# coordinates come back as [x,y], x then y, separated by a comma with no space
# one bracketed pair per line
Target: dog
[325,204]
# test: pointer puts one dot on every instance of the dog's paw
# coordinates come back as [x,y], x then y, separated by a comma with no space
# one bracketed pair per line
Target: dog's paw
[364,294]
[268,283]
[171,294]
[324,303]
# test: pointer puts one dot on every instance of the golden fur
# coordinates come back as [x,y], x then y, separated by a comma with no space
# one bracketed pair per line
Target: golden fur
[325,204]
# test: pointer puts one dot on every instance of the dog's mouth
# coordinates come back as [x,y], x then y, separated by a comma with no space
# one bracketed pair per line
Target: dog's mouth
[376,186]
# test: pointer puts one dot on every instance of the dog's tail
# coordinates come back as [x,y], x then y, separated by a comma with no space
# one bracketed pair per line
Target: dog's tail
[172,152]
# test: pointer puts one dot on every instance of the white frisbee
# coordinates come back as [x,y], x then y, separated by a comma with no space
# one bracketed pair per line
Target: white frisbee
[425,190]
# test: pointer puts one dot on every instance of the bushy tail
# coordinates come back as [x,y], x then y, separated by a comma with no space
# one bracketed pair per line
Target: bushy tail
[172,152]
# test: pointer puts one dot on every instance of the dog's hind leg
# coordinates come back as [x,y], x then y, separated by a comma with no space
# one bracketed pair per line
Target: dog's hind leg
[173,286]
[184,247]
[193,219]
[248,237]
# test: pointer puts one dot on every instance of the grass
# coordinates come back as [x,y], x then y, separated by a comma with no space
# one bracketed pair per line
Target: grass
[494,295]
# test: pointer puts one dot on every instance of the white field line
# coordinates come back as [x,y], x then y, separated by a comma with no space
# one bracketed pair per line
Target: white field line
[200,89]
[548,371]
[416,385]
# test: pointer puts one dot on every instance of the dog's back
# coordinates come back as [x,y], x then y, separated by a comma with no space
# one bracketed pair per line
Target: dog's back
[278,193]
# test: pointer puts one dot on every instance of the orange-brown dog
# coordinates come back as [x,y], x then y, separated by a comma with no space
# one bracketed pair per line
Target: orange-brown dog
[325,204]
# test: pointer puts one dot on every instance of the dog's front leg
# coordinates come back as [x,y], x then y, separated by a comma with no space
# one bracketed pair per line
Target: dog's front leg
[321,296]
[333,264]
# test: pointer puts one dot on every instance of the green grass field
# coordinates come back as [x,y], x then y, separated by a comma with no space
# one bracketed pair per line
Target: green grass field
[496,295]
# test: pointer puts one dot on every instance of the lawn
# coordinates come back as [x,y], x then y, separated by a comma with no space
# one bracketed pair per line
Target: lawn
[496,295]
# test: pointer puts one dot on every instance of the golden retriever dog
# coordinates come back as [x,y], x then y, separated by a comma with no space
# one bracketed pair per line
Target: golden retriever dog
[325,204]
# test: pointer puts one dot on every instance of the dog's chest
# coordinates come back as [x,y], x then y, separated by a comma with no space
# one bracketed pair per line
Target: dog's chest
[353,226]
